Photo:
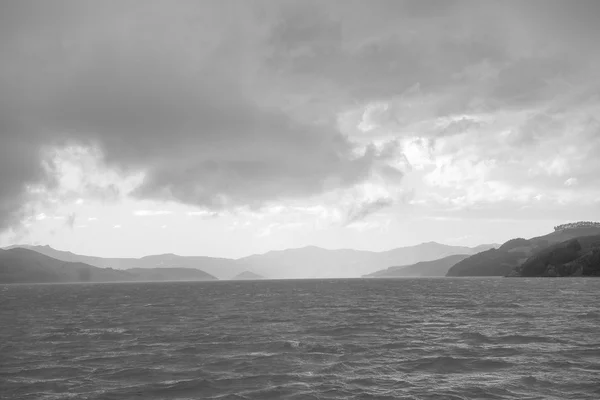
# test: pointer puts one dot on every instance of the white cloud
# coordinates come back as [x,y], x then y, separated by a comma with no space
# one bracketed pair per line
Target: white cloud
[571,182]
[371,116]
[274,227]
[151,213]
[204,214]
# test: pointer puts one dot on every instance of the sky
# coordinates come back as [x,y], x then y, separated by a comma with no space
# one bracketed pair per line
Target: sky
[227,128]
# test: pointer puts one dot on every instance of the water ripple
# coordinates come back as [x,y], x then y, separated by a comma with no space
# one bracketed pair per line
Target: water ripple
[332,339]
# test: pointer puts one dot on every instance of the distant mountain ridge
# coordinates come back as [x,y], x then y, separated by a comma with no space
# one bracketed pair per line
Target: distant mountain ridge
[306,262]
[221,268]
[316,262]
[438,267]
[516,252]
[19,265]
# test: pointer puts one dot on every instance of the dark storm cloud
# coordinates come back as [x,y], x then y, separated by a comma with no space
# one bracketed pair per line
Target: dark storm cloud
[206,98]
[184,109]
[202,140]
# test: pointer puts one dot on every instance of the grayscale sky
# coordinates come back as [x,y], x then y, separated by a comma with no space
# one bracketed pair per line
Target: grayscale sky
[226,128]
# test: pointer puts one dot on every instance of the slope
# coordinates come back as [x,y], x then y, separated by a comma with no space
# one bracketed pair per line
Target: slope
[515,252]
[247,276]
[221,268]
[421,269]
[20,265]
[27,266]
[574,257]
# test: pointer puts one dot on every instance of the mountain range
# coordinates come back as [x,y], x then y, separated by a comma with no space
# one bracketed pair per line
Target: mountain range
[316,262]
[571,250]
[222,268]
[19,265]
[305,262]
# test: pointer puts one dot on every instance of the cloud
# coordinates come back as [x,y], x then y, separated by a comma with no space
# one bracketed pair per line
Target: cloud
[151,213]
[204,127]
[363,210]
[41,217]
[277,227]
[203,214]
[71,218]
[221,107]
[571,182]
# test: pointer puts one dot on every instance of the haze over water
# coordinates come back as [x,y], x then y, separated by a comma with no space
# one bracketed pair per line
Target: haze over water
[319,339]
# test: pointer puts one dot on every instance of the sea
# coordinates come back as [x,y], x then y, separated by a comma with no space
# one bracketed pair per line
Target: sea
[445,338]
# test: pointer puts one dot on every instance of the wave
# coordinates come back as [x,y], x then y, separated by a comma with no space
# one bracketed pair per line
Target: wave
[309,347]
[413,340]
[525,339]
[476,337]
[515,339]
[228,397]
[589,315]
[182,387]
[509,305]
[448,364]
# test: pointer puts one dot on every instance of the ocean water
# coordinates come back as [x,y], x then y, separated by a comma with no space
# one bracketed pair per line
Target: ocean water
[314,339]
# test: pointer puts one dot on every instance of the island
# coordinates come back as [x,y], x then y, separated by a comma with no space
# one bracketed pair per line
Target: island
[247,276]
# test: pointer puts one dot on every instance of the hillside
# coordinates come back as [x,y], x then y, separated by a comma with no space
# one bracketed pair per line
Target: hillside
[515,252]
[421,269]
[574,257]
[27,266]
[221,268]
[20,265]
[170,274]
